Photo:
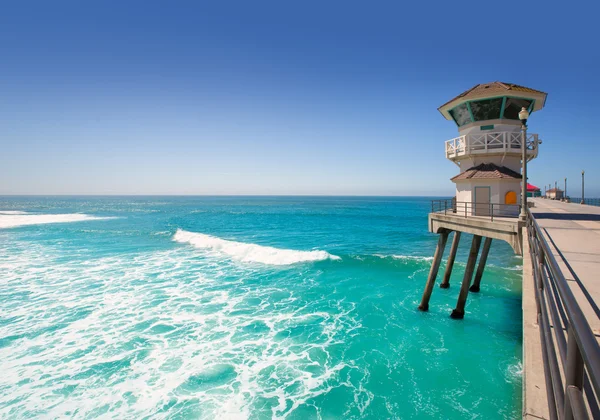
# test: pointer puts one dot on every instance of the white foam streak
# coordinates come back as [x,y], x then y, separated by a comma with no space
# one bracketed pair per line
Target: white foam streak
[247,252]
[11,219]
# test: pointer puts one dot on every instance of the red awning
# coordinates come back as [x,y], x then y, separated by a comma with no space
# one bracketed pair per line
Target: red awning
[532,188]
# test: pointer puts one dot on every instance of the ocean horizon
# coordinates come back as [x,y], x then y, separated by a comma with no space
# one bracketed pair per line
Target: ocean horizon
[246,306]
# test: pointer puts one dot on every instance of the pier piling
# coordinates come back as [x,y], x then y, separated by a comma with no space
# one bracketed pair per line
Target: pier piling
[446,281]
[459,312]
[437,258]
[482,261]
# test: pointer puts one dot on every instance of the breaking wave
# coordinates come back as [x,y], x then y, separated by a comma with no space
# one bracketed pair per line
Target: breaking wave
[247,252]
[11,219]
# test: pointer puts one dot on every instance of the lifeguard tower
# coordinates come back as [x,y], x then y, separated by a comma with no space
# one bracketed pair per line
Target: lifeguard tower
[491,120]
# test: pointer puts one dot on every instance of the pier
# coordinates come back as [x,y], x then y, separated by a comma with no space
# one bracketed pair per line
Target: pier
[561,318]
[559,242]
[491,149]
[493,221]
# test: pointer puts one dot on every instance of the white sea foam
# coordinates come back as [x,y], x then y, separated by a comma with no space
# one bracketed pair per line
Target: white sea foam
[91,336]
[412,258]
[11,219]
[248,252]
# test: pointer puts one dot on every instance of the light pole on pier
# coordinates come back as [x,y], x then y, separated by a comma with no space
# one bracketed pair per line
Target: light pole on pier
[523,116]
[582,187]
[565,197]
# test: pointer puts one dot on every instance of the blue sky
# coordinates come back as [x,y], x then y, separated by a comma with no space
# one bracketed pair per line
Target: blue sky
[143,97]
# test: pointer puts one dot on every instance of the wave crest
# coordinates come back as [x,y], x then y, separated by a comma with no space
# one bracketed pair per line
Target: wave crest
[247,252]
[11,219]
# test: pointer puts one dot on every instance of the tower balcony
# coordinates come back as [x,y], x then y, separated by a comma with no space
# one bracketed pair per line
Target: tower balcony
[499,143]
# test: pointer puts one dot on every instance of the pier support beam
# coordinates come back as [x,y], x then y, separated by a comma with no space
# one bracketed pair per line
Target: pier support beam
[446,282]
[482,260]
[459,312]
[435,266]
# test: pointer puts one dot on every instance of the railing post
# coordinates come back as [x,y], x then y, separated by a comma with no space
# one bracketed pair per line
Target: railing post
[540,262]
[573,372]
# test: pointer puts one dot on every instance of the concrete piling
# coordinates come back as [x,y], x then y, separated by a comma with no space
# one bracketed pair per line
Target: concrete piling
[437,258]
[459,312]
[482,260]
[446,281]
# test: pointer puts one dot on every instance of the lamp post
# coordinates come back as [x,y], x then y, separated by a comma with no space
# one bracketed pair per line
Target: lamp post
[565,197]
[582,187]
[523,116]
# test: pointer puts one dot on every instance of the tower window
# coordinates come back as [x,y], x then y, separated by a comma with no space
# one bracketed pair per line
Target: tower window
[487,109]
[461,115]
[513,107]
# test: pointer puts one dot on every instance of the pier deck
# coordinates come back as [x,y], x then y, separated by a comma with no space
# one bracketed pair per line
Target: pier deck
[573,234]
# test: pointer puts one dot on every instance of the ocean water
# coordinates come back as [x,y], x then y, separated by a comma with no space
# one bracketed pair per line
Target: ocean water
[246,307]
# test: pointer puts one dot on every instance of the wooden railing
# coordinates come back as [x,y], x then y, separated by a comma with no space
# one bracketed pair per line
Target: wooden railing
[502,142]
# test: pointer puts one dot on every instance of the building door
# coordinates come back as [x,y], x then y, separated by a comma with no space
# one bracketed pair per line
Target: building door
[482,201]
[511,197]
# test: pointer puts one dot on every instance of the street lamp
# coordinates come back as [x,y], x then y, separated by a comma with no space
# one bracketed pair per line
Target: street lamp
[523,116]
[565,196]
[582,187]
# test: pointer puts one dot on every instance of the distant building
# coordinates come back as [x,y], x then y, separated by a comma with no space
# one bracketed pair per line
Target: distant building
[533,191]
[555,194]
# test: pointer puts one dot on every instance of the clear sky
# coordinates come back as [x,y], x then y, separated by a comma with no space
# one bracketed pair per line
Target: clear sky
[252,97]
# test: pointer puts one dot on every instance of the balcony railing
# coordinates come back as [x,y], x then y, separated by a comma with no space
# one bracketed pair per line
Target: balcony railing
[470,209]
[502,142]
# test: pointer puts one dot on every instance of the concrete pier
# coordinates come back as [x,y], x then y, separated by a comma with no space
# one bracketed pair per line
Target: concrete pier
[435,266]
[446,221]
[448,273]
[573,233]
[459,311]
[482,261]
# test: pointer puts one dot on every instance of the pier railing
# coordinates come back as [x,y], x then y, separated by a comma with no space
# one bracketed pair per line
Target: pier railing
[572,376]
[499,142]
[588,201]
[471,209]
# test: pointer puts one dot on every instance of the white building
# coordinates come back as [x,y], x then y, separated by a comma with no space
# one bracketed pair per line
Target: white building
[488,148]
[555,194]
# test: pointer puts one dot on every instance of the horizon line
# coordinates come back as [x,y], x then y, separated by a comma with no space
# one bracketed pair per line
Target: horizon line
[218,195]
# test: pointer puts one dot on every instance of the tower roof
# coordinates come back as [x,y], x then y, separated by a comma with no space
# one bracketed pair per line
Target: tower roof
[495,89]
[487,171]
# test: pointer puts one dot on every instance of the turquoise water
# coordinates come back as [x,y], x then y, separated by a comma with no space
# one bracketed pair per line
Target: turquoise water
[246,307]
